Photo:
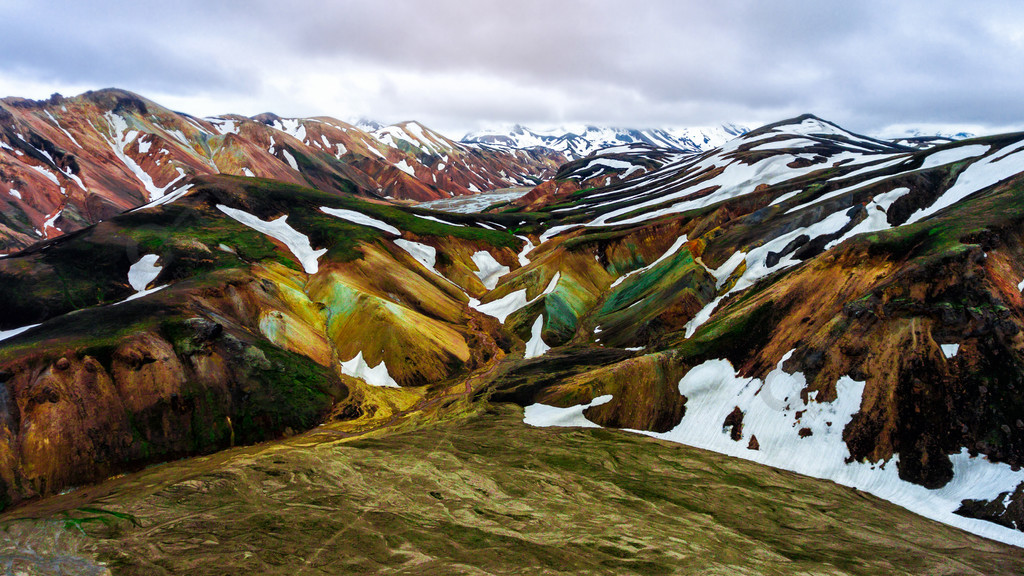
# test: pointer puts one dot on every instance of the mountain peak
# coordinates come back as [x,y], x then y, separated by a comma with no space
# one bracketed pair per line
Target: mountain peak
[268,118]
[117,99]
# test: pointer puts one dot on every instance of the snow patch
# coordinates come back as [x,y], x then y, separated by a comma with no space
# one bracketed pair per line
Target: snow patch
[361,219]
[474,203]
[703,315]
[502,307]
[5,334]
[167,198]
[721,276]
[877,218]
[536,346]
[141,294]
[552,284]
[737,179]
[775,413]
[51,221]
[445,222]
[542,415]
[293,127]
[874,167]
[290,159]
[527,248]
[756,259]
[279,229]
[488,270]
[224,125]
[404,167]
[375,376]
[785,197]
[49,175]
[424,254]
[143,272]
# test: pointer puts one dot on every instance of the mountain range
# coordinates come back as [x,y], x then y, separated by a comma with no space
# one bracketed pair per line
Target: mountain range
[642,363]
[582,141]
[66,163]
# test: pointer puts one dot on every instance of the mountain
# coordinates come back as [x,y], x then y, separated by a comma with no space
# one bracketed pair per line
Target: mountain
[906,364]
[70,162]
[582,141]
[805,301]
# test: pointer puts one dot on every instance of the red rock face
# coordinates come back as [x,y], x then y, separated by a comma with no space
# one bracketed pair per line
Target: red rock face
[78,418]
[69,162]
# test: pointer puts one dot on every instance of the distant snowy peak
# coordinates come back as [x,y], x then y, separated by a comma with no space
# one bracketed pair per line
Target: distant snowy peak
[915,133]
[367,124]
[921,138]
[579,142]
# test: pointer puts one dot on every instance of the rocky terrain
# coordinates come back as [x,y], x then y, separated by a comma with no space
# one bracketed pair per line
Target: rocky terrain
[801,298]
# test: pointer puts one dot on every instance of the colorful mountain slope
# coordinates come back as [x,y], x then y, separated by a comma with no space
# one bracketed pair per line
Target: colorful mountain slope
[836,290]
[240,309]
[69,162]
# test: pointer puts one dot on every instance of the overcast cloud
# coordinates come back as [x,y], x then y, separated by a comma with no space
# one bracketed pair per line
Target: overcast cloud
[460,65]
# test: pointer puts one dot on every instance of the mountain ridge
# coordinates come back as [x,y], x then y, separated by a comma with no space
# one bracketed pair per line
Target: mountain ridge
[582,141]
[136,151]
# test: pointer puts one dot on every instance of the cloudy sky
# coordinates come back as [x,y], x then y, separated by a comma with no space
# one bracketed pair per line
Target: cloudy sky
[460,65]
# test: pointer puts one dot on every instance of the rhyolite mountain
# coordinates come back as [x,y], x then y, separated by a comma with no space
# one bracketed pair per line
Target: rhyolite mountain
[66,163]
[801,297]
[582,141]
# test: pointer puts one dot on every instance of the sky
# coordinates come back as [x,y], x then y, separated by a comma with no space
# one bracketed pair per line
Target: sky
[876,67]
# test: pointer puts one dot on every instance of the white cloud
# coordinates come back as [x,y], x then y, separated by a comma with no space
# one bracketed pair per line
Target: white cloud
[455,65]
